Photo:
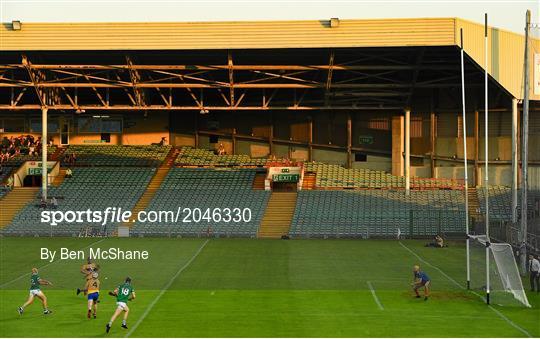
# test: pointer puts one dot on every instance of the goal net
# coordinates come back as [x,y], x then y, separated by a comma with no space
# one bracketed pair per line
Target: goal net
[505,285]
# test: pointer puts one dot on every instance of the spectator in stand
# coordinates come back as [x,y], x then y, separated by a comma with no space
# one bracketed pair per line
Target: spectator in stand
[69,173]
[54,203]
[9,183]
[221,149]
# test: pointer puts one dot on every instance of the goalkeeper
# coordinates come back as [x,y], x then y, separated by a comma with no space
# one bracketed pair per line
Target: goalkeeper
[421,279]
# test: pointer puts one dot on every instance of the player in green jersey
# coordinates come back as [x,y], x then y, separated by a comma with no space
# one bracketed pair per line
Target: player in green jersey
[123,293]
[35,291]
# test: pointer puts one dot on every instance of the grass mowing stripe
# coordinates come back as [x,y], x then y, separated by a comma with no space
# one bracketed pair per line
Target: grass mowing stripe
[375,296]
[502,316]
[165,288]
[47,265]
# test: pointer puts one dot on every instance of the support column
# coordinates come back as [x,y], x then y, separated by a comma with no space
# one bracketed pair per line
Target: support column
[271,135]
[407,151]
[234,141]
[476,147]
[44,137]
[349,141]
[514,159]
[196,129]
[310,139]
[397,145]
[432,136]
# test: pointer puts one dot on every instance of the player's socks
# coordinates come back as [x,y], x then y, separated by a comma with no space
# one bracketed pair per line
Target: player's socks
[108,327]
[89,314]
[20,310]
[124,325]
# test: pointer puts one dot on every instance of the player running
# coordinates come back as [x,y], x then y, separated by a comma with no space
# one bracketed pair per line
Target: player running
[421,279]
[123,293]
[92,291]
[87,270]
[35,291]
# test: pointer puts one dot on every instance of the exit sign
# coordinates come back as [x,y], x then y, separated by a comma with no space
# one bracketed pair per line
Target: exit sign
[286,177]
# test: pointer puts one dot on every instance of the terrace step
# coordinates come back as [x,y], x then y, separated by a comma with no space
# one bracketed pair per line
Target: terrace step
[14,201]
[309,181]
[59,179]
[278,215]
[258,182]
[154,185]
[474,204]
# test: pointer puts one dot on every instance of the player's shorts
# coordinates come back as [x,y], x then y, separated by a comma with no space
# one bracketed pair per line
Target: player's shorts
[35,292]
[93,296]
[121,305]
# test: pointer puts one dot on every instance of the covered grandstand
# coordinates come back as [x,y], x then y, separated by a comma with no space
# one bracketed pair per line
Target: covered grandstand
[333,99]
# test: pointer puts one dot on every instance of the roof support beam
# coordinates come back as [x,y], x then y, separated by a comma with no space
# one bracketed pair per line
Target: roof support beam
[39,92]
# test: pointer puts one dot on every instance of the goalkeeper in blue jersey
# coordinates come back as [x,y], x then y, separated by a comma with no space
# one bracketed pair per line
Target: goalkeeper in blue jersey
[421,279]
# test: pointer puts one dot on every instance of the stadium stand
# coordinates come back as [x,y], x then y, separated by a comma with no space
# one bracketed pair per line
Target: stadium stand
[377,213]
[206,188]
[118,155]
[89,188]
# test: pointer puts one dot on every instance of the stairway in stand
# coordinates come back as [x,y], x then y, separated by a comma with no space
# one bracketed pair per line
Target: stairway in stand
[474,205]
[14,201]
[258,182]
[153,186]
[57,155]
[278,216]
[309,181]
[59,179]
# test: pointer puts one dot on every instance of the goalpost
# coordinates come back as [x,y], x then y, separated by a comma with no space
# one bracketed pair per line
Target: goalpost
[506,287]
[491,267]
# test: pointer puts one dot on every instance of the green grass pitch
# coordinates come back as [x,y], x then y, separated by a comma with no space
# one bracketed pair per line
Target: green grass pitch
[257,288]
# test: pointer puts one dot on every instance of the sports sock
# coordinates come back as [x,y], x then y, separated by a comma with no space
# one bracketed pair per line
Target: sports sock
[123,321]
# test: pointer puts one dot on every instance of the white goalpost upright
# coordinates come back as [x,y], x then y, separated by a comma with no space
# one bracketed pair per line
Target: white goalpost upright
[486,154]
[465,169]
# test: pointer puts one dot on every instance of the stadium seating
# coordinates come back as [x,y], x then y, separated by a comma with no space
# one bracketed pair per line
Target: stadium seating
[89,188]
[204,188]
[3,191]
[335,176]
[5,172]
[119,155]
[500,202]
[377,213]
[19,159]
[201,157]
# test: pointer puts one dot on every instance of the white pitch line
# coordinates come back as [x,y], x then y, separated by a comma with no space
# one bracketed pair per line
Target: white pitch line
[502,316]
[375,296]
[47,265]
[164,289]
